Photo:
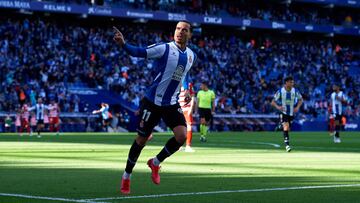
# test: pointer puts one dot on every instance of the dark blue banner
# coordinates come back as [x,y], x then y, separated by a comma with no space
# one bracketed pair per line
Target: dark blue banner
[348,3]
[165,16]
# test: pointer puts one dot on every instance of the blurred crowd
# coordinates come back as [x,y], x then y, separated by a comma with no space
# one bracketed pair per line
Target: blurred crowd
[44,58]
[255,9]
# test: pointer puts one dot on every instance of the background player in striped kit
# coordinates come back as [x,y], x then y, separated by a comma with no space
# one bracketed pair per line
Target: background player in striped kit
[105,115]
[172,62]
[337,100]
[40,115]
[187,101]
[288,101]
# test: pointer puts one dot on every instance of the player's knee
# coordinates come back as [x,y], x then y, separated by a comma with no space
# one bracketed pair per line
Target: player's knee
[286,126]
[181,138]
[188,127]
[180,134]
[140,140]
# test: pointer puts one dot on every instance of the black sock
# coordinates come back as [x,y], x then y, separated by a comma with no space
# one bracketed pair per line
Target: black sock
[337,129]
[38,131]
[134,153]
[286,138]
[170,148]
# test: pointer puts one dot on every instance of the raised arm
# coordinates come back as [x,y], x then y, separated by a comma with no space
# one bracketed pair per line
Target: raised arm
[132,50]
[99,111]
[153,51]
[31,108]
[49,107]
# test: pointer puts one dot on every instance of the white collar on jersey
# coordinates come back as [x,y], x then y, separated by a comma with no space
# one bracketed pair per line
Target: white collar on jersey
[179,48]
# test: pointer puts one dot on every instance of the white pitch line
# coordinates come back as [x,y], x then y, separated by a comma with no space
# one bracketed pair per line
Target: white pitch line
[224,191]
[266,143]
[47,198]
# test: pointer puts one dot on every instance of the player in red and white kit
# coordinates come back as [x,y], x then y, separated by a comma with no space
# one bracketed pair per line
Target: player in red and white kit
[18,121]
[187,92]
[54,115]
[24,115]
[331,121]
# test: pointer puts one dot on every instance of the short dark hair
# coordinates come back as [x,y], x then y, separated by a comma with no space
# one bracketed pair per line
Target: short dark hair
[288,78]
[186,21]
[204,82]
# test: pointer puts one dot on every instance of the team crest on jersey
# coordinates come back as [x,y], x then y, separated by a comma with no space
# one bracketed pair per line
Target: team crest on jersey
[178,73]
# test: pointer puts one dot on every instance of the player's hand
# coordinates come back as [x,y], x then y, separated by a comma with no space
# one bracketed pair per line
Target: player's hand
[94,112]
[187,97]
[118,37]
[296,110]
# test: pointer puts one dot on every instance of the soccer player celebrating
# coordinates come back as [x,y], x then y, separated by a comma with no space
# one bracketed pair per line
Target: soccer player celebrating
[206,108]
[172,62]
[105,115]
[187,106]
[54,119]
[337,99]
[285,101]
[40,114]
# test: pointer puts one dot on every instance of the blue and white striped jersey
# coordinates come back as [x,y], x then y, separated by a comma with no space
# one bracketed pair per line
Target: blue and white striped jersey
[171,66]
[287,99]
[105,112]
[40,110]
[336,105]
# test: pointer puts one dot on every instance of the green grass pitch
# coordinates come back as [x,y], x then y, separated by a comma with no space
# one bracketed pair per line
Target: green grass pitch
[231,167]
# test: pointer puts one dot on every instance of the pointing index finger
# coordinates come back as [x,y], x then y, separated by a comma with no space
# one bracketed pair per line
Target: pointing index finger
[115,29]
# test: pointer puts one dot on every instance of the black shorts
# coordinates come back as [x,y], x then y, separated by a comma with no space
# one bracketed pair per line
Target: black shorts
[205,113]
[40,121]
[286,118]
[150,115]
[338,117]
[106,121]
